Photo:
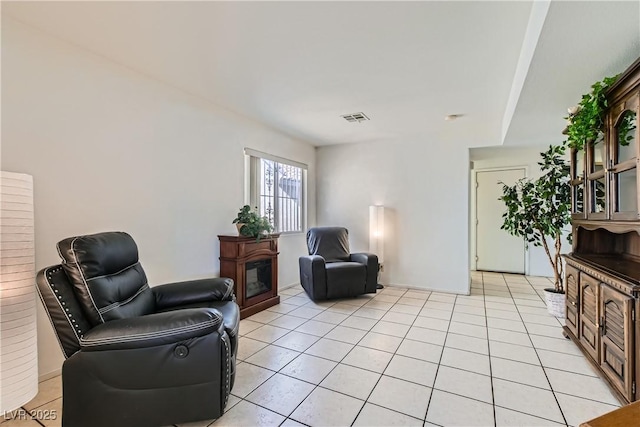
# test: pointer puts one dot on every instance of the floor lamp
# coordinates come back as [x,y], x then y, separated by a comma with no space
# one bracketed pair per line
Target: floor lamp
[18,339]
[376,236]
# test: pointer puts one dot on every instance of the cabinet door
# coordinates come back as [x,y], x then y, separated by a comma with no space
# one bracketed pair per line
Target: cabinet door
[573,298]
[616,357]
[578,210]
[624,159]
[597,180]
[589,315]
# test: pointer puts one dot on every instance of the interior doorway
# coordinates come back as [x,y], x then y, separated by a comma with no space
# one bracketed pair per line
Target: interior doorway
[496,250]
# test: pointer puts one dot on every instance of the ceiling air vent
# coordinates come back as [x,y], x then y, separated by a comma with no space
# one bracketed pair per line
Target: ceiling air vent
[355,117]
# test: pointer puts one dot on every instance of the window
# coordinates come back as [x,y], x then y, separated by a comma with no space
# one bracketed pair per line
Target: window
[277,188]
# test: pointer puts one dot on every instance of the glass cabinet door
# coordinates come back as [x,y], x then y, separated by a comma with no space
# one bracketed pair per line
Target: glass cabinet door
[624,155]
[626,184]
[596,180]
[577,183]
[626,144]
[598,157]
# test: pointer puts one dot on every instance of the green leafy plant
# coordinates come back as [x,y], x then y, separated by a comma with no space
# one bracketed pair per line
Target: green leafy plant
[253,225]
[586,120]
[626,127]
[540,209]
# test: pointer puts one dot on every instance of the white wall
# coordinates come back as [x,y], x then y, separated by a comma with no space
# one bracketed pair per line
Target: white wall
[506,157]
[423,185]
[111,149]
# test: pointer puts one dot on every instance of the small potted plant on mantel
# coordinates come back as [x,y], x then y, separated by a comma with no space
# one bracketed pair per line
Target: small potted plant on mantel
[250,224]
[540,209]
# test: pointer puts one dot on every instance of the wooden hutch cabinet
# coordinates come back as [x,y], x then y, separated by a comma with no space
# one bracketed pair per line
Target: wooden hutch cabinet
[602,277]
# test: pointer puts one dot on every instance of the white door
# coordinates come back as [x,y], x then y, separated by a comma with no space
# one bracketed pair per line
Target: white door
[496,250]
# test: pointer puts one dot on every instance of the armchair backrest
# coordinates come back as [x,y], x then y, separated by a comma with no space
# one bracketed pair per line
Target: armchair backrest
[331,243]
[107,278]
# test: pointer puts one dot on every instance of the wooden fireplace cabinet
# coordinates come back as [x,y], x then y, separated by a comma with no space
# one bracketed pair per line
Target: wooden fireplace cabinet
[240,257]
[602,278]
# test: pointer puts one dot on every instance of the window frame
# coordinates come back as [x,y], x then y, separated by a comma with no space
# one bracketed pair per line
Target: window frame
[252,186]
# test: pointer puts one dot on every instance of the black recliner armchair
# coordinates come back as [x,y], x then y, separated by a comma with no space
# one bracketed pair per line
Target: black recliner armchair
[330,271]
[137,355]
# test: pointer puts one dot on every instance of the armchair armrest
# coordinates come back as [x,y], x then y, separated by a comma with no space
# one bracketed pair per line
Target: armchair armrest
[152,330]
[313,275]
[193,291]
[365,258]
[371,261]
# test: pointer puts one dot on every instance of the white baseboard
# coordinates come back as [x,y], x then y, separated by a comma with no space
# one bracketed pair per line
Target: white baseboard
[419,288]
[291,285]
[394,285]
[49,375]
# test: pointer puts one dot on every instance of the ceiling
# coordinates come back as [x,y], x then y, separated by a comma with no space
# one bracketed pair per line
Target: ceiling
[298,66]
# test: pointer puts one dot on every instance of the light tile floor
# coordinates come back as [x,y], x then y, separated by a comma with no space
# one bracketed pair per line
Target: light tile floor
[405,357]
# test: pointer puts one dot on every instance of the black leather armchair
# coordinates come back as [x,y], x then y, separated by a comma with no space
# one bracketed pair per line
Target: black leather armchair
[330,271]
[137,355]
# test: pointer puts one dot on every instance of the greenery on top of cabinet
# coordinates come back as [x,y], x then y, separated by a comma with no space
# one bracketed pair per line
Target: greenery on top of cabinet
[586,120]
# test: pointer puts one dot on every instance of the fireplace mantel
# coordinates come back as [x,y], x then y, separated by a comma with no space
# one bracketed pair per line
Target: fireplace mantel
[253,266]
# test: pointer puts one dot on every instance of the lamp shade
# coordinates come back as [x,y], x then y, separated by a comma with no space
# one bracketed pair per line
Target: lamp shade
[376,231]
[18,340]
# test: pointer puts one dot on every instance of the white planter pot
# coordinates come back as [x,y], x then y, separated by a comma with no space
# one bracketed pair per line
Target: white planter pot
[239,225]
[555,303]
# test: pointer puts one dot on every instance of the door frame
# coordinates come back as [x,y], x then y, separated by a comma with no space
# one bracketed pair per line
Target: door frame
[473,217]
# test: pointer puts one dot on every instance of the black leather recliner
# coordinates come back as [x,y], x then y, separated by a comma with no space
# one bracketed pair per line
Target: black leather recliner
[137,355]
[330,271]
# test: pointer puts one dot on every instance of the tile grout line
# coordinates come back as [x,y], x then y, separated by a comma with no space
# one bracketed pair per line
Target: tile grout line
[495,419]
[380,373]
[345,342]
[414,358]
[486,321]
[278,371]
[516,382]
[316,386]
[385,368]
[36,419]
[354,346]
[456,303]
[348,395]
[435,376]
[536,351]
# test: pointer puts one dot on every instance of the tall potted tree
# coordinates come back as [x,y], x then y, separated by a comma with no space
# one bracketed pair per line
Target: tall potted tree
[539,210]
